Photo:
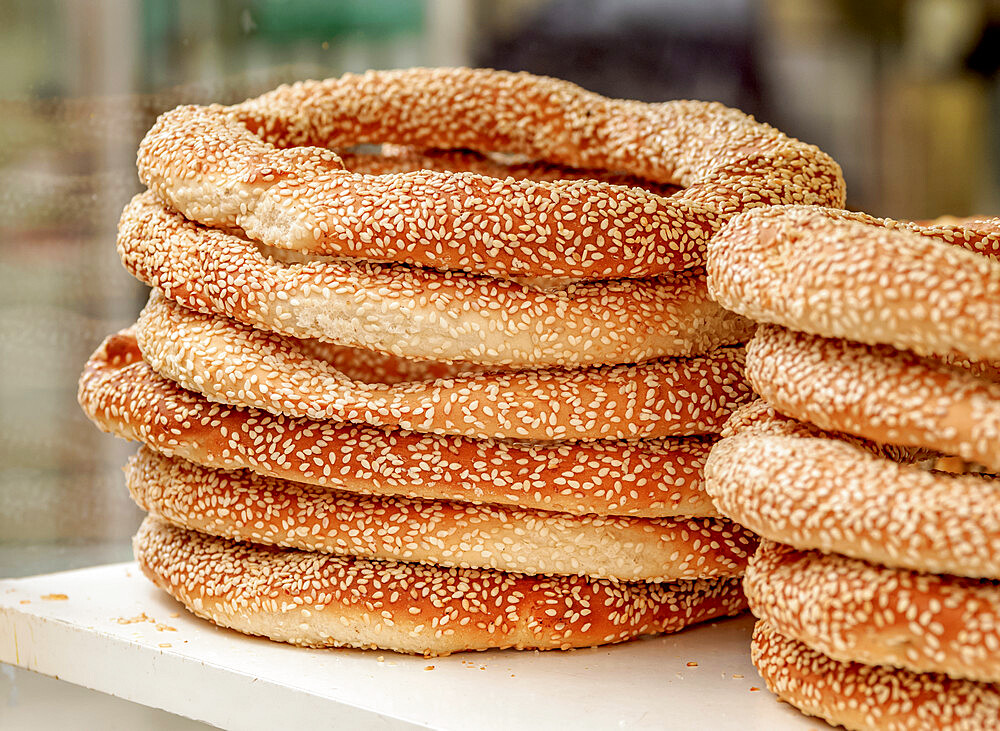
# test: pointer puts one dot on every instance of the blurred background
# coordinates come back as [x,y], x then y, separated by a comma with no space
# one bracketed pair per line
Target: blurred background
[903,93]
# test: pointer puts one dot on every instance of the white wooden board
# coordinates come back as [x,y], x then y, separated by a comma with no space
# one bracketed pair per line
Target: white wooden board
[109,629]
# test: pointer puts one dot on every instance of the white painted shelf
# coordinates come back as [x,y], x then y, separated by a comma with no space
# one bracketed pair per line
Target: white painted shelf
[109,629]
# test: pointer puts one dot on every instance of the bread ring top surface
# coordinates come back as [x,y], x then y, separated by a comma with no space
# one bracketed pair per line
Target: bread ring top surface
[931,289]
[265,166]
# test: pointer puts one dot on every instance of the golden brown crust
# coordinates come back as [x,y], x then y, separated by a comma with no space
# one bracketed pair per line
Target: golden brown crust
[245,166]
[648,478]
[855,611]
[759,417]
[988,226]
[866,697]
[837,274]
[420,313]
[319,600]
[877,392]
[237,365]
[245,506]
[813,490]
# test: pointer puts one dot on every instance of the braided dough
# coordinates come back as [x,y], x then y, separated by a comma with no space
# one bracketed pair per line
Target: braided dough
[419,313]
[319,600]
[262,166]
[864,697]
[240,366]
[248,507]
[877,392]
[929,289]
[648,478]
[813,490]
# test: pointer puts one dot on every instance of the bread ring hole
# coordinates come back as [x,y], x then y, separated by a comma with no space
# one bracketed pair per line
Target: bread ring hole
[951,464]
[391,159]
[288,257]
[947,464]
[372,367]
[120,350]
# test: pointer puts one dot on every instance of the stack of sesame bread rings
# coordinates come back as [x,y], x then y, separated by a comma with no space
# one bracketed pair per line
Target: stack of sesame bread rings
[452,392]
[868,467]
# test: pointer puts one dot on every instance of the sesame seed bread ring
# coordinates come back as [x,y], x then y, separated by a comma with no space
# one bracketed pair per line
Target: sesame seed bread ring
[419,313]
[821,492]
[262,166]
[854,611]
[401,159]
[241,366]
[320,600]
[868,697]
[646,478]
[245,506]
[877,392]
[837,274]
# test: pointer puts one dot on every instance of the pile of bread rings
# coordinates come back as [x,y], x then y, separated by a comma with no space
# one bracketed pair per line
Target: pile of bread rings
[868,466]
[454,394]
[464,389]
